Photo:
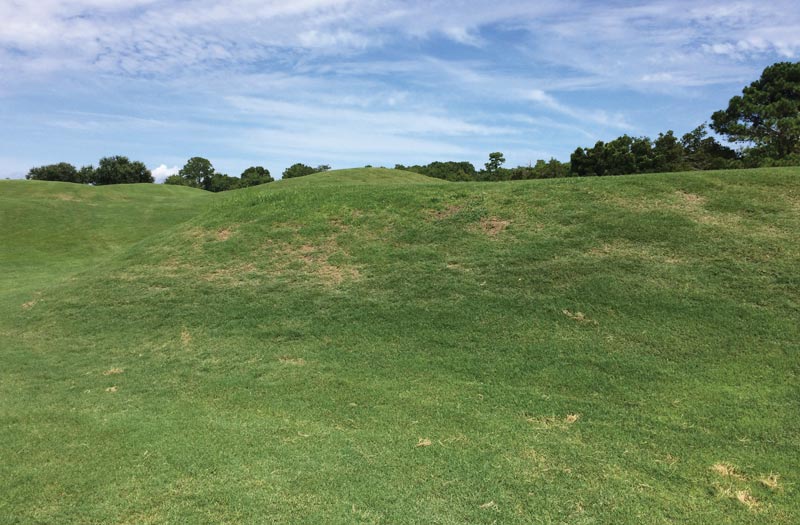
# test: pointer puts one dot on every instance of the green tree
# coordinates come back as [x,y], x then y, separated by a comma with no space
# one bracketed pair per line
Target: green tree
[61,172]
[767,114]
[669,154]
[255,175]
[298,170]
[494,170]
[121,170]
[198,172]
[704,152]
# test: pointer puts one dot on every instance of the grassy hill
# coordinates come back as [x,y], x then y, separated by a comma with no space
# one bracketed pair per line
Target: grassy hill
[373,346]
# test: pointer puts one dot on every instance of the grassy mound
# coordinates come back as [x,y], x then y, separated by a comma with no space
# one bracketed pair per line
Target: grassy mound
[375,346]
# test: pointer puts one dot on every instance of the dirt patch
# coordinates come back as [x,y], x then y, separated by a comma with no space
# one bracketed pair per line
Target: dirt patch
[111,389]
[492,226]
[113,371]
[424,442]
[293,361]
[489,505]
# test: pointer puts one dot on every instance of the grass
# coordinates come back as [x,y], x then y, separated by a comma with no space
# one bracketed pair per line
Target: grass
[371,346]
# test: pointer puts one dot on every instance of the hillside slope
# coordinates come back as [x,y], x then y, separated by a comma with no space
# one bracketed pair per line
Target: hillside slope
[350,347]
[53,229]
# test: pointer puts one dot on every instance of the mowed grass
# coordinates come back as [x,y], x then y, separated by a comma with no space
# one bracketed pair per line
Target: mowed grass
[371,346]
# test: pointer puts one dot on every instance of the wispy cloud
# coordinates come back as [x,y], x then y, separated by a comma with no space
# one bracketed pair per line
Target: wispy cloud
[351,79]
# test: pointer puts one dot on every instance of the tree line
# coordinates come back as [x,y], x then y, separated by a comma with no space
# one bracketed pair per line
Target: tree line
[765,120]
[198,172]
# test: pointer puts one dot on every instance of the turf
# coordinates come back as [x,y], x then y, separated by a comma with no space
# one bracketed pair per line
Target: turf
[372,346]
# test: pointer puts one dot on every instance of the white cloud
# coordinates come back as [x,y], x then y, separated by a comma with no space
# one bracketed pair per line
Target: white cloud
[162,172]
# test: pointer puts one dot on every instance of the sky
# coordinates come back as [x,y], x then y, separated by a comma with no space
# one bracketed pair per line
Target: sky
[367,82]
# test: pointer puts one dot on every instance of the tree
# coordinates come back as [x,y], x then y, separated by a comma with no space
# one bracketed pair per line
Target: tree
[298,170]
[121,170]
[494,166]
[767,114]
[704,152]
[198,172]
[255,175]
[221,182]
[61,172]
[669,154]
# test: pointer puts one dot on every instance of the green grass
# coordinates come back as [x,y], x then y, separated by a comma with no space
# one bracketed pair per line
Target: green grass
[573,351]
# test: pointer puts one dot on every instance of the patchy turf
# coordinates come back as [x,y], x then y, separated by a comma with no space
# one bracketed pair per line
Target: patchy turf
[372,346]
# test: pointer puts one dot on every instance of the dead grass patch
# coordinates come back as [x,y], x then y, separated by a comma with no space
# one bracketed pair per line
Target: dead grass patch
[186,337]
[489,505]
[113,371]
[745,498]
[493,226]
[424,442]
[726,470]
[316,261]
[446,213]
[230,275]
[67,197]
[554,421]
[579,317]
[771,481]
[111,389]
[29,304]
[223,234]
[293,361]
[628,250]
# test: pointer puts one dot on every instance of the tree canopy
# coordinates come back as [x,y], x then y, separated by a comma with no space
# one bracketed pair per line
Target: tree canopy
[767,114]
[255,175]
[120,170]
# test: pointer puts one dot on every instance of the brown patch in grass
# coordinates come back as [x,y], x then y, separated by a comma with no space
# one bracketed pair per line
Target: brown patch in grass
[579,317]
[554,421]
[770,481]
[230,275]
[492,226]
[111,389]
[424,442]
[186,337]
[745,498]
[293,361]
[67,197]
[223,234]
[446,213]
[726,470]
[691,198]
[625,249]
[489,505]
[30,304]
[113,371]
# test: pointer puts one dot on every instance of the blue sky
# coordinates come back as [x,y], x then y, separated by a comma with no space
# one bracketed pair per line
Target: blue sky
[356,82]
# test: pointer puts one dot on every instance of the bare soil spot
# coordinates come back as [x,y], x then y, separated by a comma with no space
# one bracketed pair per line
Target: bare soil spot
[572,418]
[489,505]
[113,371]
[493,226]
[424,442]
[293,361]
[111,389]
